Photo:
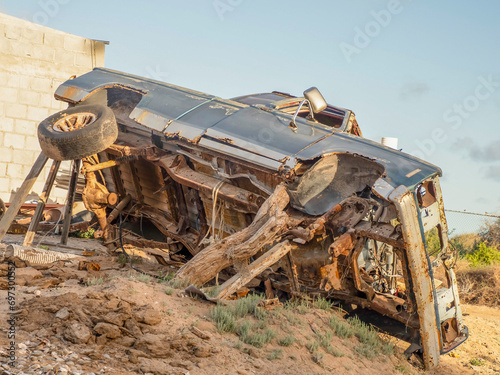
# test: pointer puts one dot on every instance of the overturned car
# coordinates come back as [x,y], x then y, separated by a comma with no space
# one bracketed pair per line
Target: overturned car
[266,190]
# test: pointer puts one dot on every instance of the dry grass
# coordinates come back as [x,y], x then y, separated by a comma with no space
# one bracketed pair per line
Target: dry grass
[479,285]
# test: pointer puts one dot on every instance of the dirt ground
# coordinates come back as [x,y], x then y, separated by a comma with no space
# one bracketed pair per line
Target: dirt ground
[118,321]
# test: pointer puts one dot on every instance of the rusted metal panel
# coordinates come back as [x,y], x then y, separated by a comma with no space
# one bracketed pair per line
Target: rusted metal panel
[419,268]
[396,163]
[242,154]
[181,173]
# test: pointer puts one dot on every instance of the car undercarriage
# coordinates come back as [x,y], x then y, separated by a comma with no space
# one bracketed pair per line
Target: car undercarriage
[264,192]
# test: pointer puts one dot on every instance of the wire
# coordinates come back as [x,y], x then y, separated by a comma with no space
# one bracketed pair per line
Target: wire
[215,210]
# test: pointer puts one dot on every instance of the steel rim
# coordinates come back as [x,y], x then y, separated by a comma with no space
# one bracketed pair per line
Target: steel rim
[74,122]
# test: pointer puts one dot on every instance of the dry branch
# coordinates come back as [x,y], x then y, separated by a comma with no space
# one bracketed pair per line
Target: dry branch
[255,268]
[269,221]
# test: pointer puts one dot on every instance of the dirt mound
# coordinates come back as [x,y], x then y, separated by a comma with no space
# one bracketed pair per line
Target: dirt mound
[118,321]
[479,285]
[128,323]
[100,322]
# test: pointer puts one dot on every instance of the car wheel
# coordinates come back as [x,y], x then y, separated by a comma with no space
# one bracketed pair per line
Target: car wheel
[77,132]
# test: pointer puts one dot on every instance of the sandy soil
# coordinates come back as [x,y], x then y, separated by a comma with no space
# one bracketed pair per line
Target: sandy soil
[117,321]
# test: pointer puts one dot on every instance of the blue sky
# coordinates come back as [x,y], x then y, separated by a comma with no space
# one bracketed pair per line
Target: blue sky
[425,72]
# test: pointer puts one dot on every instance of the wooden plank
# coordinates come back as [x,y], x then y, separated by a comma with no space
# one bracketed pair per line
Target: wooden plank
[291,271]
[70,200]
[42,201]
[254,269]
[137,183]
[269,221]
[21,194]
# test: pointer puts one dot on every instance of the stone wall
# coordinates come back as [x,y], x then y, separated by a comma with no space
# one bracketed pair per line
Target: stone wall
[34,61]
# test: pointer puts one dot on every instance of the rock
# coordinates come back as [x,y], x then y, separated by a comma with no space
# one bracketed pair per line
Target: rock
[115,318]
[77,333]
[131,325]
[202,351]
[182,364]
[110,331]
[19,263]
[63,313]
[154,346]
[149,316]
[94,354]
[101,340]
[134,355]
[112,304]
[28,274]
[253,353]
[44,283]
[125,307]
[159,367]
[38,293]
[42,332]
[22,346]
[126,341]
[201,334]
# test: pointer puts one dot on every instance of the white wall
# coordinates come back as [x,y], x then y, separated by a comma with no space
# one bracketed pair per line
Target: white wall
[34,61]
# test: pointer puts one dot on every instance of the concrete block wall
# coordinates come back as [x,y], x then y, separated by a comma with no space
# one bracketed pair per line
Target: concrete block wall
[34,61]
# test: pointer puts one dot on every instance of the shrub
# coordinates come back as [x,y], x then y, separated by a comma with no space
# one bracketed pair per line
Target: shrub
[478,285]
[322,304]
[88,234]
[287,341]
[340,327]
[276,354]
[94,281]
[484,255]
[223,317]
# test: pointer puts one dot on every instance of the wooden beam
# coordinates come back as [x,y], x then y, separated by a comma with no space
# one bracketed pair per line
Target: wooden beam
[21,194]
[69,203]
[291,272]
[42,201]
[254,269]
[268,223]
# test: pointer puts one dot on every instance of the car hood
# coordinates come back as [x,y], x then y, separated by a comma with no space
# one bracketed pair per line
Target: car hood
[255,133]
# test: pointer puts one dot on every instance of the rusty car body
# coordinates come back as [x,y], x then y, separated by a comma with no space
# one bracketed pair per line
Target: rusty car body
[201,169]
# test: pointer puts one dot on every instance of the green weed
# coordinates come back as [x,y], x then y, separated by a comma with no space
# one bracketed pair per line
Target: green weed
[94,281]
[286,341]
[275,354]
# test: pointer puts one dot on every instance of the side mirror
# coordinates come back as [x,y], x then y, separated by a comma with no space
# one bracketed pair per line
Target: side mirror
[316,104]
[316,101]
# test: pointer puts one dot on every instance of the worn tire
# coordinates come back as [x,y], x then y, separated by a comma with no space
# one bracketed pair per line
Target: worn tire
[77,132]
